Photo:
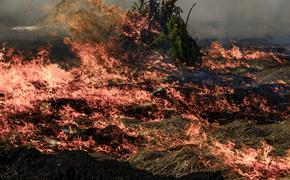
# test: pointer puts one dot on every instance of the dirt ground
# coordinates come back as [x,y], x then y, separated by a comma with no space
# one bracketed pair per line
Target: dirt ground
[22,163]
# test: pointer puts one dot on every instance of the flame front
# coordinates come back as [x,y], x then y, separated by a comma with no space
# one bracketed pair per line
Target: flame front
[52,109]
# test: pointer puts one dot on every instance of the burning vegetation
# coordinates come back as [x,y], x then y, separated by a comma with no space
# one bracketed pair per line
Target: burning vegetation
[142,93]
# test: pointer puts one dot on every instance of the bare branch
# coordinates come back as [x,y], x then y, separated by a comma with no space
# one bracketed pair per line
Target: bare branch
[189,13]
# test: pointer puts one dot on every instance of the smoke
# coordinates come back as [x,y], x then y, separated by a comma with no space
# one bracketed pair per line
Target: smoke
[17,13]
[23,12]
[210,18]
[239,18]
[236,18]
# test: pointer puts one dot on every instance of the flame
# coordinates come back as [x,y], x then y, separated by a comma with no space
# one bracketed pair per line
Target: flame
[87,19]
[90,96]
[251,163]
[45,106]
[218,58]
[248,162]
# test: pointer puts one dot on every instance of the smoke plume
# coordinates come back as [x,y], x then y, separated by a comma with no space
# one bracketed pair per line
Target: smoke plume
[210,18]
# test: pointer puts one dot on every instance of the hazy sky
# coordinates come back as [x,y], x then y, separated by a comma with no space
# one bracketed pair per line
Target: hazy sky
[210,18]
[240,17]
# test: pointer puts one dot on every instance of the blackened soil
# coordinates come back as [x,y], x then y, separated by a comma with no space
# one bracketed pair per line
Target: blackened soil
[22,163]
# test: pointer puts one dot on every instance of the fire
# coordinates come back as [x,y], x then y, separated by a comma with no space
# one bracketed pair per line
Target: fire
[83,108]
[251,163]
[219,58]
[87,19]
[89,97]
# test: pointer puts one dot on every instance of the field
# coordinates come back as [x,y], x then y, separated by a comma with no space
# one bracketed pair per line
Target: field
[81,109]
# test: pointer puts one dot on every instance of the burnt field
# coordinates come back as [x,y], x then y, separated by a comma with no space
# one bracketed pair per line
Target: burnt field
[116,108]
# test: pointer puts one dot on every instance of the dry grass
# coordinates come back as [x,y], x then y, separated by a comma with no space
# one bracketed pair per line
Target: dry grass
[176,162]
[274,74]
[246,133]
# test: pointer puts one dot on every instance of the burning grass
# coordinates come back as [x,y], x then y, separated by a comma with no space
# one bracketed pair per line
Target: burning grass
[85,19]
[219,58]
[160,116]
[85,108]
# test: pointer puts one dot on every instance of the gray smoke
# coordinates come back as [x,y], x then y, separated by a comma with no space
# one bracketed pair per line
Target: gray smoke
[240,18]
[15,13]
[22,12]
[210,18]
